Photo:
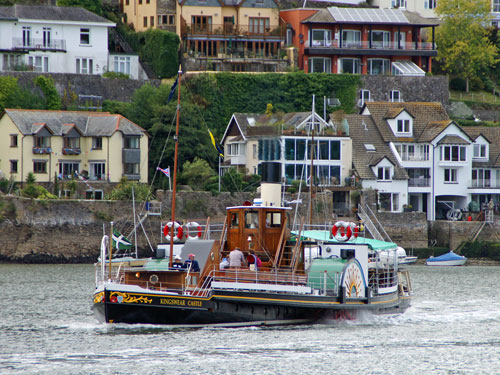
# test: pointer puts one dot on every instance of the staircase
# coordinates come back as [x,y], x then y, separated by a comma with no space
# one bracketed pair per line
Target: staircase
[372,224]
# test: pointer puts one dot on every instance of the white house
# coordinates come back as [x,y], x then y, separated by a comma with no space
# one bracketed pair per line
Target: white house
[52,39]
[414,156]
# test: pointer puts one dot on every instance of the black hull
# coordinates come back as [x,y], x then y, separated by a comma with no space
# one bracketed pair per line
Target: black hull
[241,309]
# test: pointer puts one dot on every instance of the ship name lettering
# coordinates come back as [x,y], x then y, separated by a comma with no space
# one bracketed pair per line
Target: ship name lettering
[195,303]
[170,301]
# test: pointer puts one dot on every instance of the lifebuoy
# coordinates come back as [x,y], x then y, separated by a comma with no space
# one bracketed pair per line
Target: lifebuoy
[197,228]
[454,215]
[178,232]
[344,231]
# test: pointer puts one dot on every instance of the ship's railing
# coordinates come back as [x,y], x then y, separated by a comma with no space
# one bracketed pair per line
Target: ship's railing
[382,278]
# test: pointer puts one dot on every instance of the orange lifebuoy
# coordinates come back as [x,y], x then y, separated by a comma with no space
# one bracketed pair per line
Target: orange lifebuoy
[178,232]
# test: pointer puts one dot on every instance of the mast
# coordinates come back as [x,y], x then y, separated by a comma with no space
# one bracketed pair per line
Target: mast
[174,186]
[312,165]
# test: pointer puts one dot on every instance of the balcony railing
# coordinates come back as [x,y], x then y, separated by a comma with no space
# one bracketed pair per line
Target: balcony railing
[232,30]
[419,182]
[425,46]
[415,157]
[39,44]
[484,184]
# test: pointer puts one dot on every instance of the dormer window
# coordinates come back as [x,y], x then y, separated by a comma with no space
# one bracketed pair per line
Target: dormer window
[453,153]
[479,151]
[404,126]
[384,173]
[42,141]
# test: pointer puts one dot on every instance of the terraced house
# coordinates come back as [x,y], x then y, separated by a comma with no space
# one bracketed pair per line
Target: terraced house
[97,147]
[361,40]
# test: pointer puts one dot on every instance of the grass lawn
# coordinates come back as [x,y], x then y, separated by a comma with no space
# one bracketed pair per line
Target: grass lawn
[475,96]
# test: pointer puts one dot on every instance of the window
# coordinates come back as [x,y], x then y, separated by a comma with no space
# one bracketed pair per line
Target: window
[251,219]
[131,142]
[430,4]
[96,143]
[42,141]
[380,39]
[453,153]
[122,64]
[13,140]
[84,36]
[201,23]
[378,66]
[400,40]
[140,2]
[131,168]
[26,36]
[481,178]
[145,22]
[127,2]
[395,96]
[320,65]
[151,20]
[39,166]
[94,194]
[289,37]
[13,166]
[12,61]
[480,150]
[389,201]
[68,170]
[254,151]
[450,175]
[398,3]
[97,171]
[84,66]
[269,149]
[39,63]
[273,219]
[496,6]
[258,25]
[71,142]
[351,38]
[148,1]
[411,152]
[364,96]
[404,126]
[321,38]
[171,19]
[352,66]
[47,36]
[234,220]
[384,173]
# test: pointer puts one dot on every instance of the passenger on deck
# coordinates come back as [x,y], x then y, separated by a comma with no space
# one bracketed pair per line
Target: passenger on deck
[224,264]
[236,258]
[254,259]
[177,263]
[191,264]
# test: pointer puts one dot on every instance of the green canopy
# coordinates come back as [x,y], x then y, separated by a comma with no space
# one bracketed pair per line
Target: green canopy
[325,236]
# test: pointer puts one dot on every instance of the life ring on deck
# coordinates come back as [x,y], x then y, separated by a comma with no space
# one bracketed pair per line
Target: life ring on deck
[454,215]
[344,231]
[197,230]
[178,232]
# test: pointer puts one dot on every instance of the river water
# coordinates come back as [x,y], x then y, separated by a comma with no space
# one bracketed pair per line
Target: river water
[453,327]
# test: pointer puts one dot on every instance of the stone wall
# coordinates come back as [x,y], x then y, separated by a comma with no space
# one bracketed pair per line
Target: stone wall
[451,234]
[81,84]
[413,89]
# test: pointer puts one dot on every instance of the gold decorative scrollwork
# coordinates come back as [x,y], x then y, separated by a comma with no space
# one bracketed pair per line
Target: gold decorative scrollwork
[127,298]
[99,297]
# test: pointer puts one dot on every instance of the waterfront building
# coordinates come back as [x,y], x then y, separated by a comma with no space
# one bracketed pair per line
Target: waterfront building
[361,40]
[52,39]
[97,147]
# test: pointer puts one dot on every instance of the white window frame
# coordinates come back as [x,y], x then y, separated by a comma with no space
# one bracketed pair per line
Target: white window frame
[121,64]
[399,4]
[384,173]
[461,156]
[430,4]
[386,39]
[495,6]
[394,202]
[450,176]
[327,64]
[481,177]
[480,150]
[85,34]
[403,126]
[364,96]
[27,40]
[395,96]
[356,64]
[351,38]
[84,65]
[324,41]
[39,63]
[386,66]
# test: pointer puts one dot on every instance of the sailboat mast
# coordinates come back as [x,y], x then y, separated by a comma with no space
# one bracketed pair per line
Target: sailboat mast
[311,174]
[174,185]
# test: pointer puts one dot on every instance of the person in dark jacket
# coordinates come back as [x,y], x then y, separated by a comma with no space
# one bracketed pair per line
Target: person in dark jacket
[178,265]
[191,264]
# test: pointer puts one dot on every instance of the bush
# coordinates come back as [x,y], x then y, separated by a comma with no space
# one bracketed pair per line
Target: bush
[116,75]
[123,191]
[457,84]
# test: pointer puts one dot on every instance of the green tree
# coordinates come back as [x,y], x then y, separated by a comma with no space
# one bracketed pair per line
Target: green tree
[48,87]
[464,48]
[92,5]
[196,173]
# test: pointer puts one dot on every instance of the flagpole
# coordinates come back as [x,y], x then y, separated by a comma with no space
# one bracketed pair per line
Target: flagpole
[219,173]
[135,222]
[175,168]
[110,249]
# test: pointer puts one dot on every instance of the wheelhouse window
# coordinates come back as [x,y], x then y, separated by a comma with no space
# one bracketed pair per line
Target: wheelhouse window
[320,65]
[379,66]
[352,66]
[84,36]
[39,166]
[351,38]
[131,142]
[235,220]
[273,219]
[321,38]
[453,153]
[251,219]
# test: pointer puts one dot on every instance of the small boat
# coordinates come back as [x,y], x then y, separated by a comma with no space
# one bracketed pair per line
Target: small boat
[448,259]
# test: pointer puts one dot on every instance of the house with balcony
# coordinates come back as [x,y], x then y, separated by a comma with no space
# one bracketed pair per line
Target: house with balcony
[52,39]
[426,8]
[234,35]
[361,40]
[97,147]
[290,140]
[414,156]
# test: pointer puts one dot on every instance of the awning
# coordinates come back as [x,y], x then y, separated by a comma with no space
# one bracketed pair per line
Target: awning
[406,68]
